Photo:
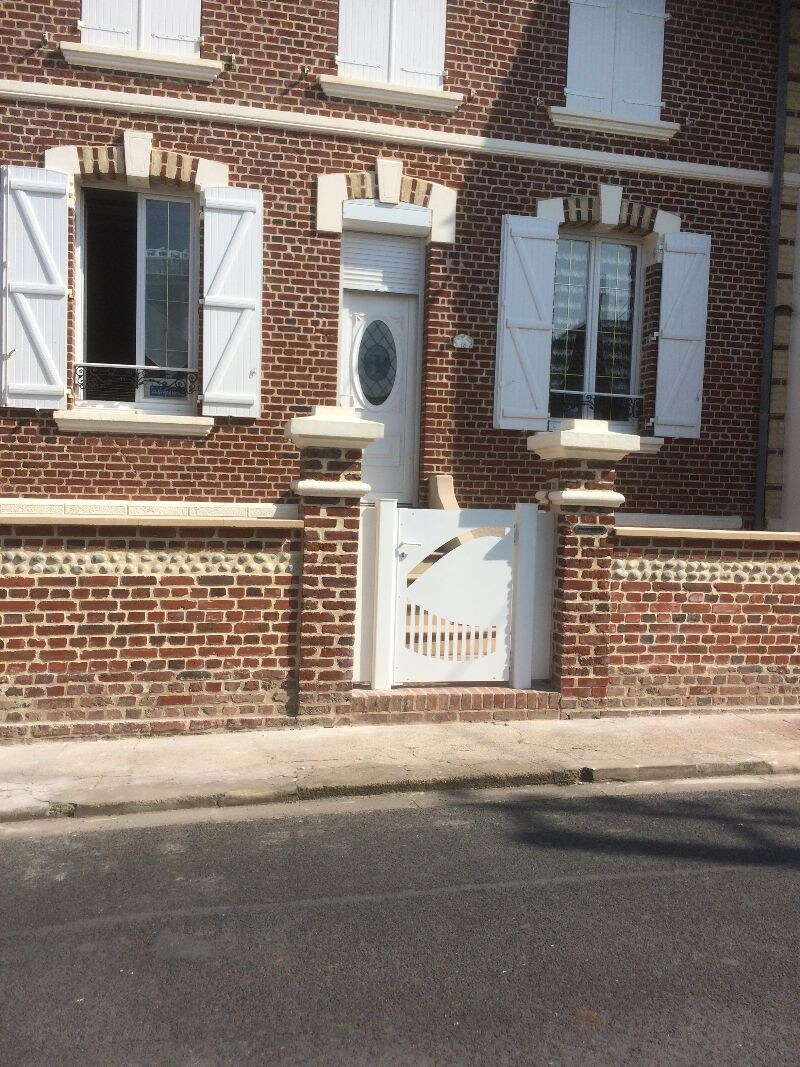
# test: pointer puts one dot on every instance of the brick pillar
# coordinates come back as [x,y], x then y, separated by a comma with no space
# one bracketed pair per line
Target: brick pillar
[331,443]
[581,460]
[582,498]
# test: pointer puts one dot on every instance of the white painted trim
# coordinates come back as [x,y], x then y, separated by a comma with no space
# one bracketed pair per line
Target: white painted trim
[442,203]
[338,88]
[211,174]
[334,490]
[567,118]
[121,421]
[524,602]
[77,512]
[356,129]
[139,62]
[137,147]
[385,586]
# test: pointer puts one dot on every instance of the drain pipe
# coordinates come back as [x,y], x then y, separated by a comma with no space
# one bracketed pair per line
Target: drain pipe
[772,268]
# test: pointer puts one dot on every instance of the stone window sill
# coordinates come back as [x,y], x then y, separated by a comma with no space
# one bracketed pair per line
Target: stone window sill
[136,62]
[392,95]
[567,118]
[119,422]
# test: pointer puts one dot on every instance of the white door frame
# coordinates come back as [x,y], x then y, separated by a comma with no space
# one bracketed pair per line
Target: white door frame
[343,395]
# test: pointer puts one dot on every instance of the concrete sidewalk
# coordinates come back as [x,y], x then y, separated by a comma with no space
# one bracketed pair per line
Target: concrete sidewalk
[113,777]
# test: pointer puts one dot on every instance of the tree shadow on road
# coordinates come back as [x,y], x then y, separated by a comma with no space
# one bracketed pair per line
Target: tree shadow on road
[717,829]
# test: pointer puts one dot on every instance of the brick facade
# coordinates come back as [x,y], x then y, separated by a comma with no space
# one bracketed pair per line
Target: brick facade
[269,648]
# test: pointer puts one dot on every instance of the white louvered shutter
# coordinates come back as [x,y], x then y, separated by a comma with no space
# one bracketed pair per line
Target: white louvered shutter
[172,27]
[639,62]
[364,27]
[419,43]
[682,334]
[233,282]
[35,209]
[525,323]
[110,22]
[590,68]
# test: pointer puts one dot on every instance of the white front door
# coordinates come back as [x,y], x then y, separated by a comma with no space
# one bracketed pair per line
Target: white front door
[379,377]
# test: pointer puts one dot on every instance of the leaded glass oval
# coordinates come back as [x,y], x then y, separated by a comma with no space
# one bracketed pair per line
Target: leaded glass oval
[377,363]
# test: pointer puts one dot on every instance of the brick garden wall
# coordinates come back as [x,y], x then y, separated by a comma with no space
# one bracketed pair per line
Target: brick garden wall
[704,624]
[125,632]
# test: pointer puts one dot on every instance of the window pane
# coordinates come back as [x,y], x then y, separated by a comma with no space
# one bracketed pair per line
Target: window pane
[568,353]
[167,283]
[615,323]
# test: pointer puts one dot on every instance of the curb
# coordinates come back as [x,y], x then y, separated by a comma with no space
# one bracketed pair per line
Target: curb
[287,792]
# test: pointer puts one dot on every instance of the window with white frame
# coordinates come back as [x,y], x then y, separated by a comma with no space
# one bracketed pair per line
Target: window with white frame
[139,293]
[616,58]
[171,27]
[596,316]
[398,42]
[570,324]
[135,321]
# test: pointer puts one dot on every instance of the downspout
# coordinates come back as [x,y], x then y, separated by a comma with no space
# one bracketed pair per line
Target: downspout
[772,268]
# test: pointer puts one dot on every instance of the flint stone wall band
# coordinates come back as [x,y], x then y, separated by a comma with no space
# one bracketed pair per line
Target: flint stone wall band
[680,570]
[60,563]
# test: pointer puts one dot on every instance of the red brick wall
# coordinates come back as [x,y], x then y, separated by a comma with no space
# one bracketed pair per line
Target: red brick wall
[125,632]
[699,624]
[509,59]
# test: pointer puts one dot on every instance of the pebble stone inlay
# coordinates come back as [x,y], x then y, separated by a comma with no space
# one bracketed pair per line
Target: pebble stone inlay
[680,570]
[61,563]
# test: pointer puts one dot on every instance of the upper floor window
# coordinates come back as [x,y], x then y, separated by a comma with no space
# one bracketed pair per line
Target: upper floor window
[398,42]
[171,27]
[616,58]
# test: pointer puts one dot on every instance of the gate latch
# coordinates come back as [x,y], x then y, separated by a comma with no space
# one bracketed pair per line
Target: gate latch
[401,554]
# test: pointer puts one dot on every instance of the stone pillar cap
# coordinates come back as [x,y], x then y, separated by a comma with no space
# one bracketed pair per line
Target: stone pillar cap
[333,427]
[589,439]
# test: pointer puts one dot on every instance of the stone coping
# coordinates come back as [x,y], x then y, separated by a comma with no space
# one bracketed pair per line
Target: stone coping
[44,511]
[695,534]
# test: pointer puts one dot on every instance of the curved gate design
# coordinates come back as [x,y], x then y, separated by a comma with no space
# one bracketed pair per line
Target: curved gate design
[460,596]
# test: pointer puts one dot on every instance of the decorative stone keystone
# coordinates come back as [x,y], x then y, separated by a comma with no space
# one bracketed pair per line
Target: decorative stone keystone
[331,442]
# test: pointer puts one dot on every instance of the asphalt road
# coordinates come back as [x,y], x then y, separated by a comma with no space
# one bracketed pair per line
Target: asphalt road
[529,929]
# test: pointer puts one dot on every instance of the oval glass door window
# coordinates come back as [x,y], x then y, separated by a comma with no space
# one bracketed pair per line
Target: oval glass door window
[377,363]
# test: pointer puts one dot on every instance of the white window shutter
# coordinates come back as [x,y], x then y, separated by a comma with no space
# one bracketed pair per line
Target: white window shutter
[590,66]
[35,212]
[639,62]
[232,274]
[419,43]
[364,39]
[682,334]
[172,27]
[110,22]
[525,323]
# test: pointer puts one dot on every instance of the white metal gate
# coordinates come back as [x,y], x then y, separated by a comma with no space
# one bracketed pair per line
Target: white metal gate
[459,596]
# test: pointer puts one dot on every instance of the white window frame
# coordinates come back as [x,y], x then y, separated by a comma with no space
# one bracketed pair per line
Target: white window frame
[158,406]
[593,319]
